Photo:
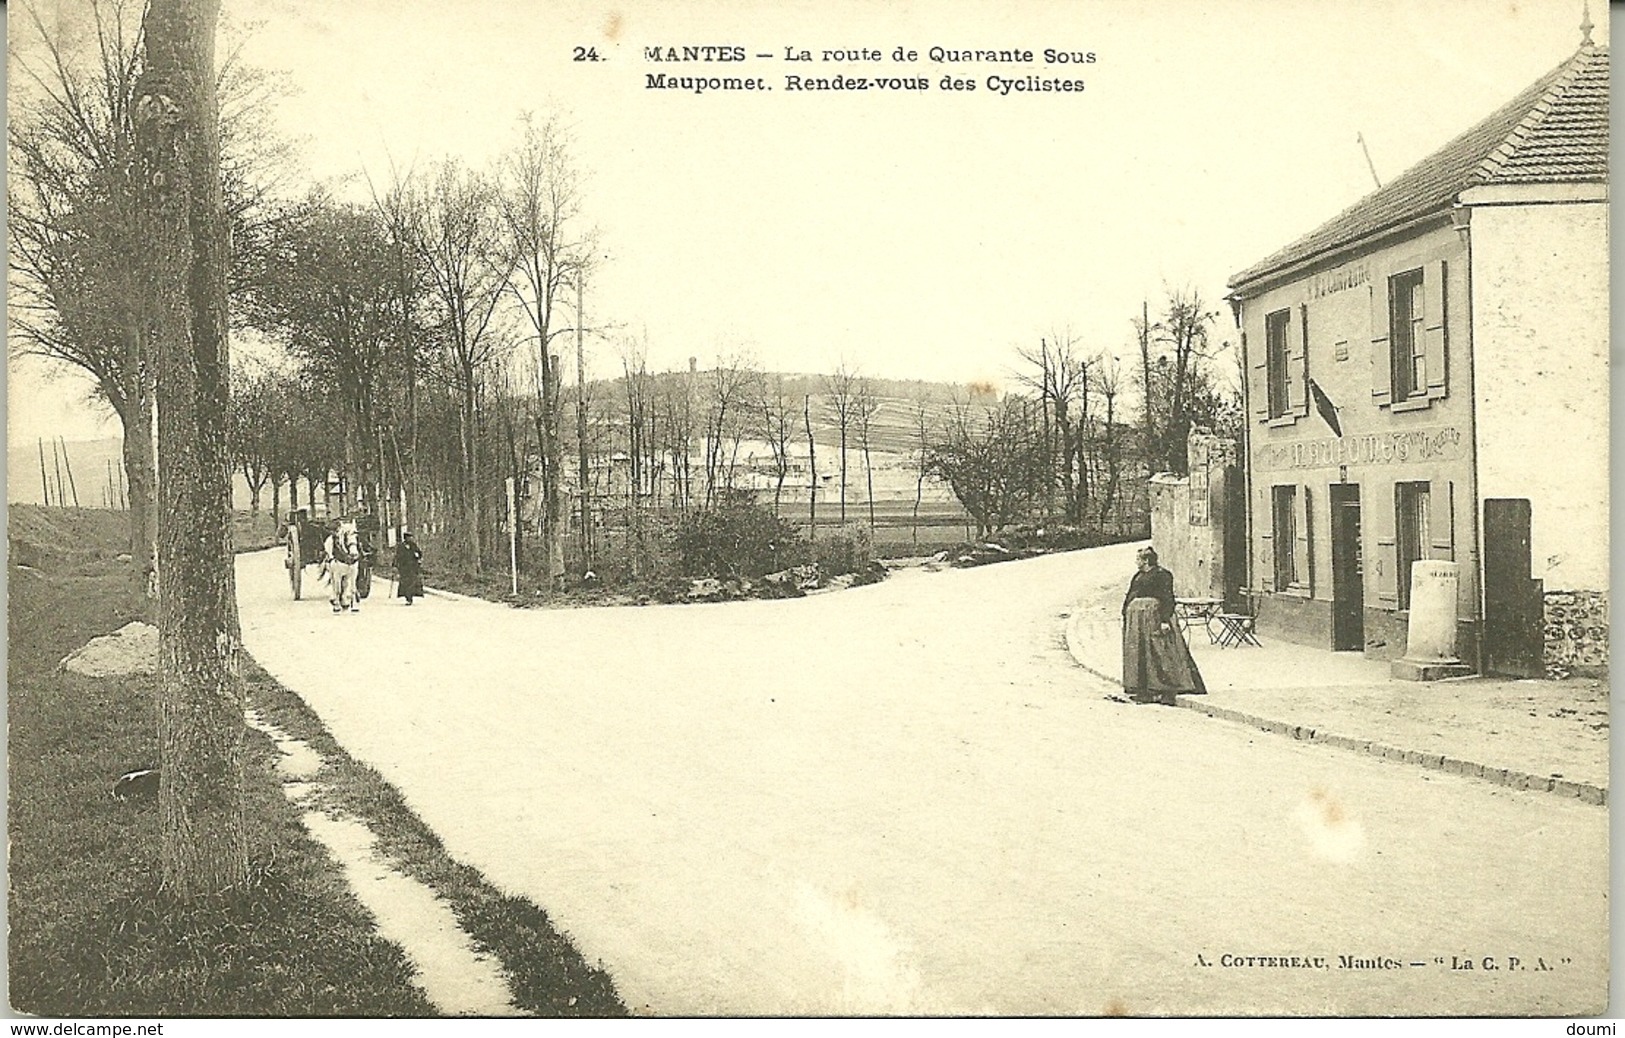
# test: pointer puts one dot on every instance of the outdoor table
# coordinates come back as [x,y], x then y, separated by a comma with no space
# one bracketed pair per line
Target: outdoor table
[1191,611]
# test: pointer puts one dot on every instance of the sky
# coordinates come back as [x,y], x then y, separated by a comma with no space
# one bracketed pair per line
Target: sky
[908,235]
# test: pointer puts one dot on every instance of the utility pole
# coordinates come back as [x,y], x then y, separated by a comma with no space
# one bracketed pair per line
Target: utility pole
[44,483]
[68,464]
[56,460]
[812,469]
[581,432]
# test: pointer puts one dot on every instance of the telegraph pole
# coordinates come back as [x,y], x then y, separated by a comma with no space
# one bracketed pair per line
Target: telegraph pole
[44,483]
[581,432]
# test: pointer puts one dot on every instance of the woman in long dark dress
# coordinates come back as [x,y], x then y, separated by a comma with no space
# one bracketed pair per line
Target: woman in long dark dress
[1157,664]
[408,568]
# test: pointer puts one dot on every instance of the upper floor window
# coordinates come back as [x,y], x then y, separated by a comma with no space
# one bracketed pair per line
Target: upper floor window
[1276,327]
[1408,356]
[1409,340]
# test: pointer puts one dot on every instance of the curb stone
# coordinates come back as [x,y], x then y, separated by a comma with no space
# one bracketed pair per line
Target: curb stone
[1585,792]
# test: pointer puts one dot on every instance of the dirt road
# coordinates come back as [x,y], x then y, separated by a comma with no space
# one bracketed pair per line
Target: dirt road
[906,798]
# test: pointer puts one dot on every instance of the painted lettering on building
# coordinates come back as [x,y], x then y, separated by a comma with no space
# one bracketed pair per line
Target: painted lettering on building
[1333,281]
[1436,443]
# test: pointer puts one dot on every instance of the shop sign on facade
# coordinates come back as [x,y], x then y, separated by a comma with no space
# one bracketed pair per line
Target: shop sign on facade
[1436,443]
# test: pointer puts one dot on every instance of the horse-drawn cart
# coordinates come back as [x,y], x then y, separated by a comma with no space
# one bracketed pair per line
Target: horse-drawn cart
[305,540]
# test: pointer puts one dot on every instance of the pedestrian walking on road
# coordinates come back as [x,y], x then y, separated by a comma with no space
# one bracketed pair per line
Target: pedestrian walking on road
[408,567]
[343,553]
[1157,664]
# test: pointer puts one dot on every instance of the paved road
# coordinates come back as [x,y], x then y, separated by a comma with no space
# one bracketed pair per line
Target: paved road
[906,799]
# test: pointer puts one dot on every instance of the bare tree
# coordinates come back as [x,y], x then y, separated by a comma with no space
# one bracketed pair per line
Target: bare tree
[324,284]
[464,256]
[78,293]
[677,418]
[642,448]
[203,840]
[840,391]
[733,386]
[922,460]
[540,203]
[400,210]
[1144,332]
[865,406]
[1062,383]
[993,460]
[1109,381]
[775,419]
[812,469]
[1184,331]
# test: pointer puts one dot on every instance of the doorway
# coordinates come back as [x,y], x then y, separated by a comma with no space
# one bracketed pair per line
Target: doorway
[1348,579]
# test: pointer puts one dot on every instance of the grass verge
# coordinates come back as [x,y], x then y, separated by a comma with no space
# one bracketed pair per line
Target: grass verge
[546,975]
[91,932]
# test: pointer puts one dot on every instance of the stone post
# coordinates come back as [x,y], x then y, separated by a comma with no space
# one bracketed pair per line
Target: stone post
[1430,644]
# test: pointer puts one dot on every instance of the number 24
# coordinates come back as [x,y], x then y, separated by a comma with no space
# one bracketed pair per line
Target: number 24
[586,54]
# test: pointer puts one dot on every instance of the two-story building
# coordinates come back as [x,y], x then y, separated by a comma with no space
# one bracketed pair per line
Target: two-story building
[1427,378]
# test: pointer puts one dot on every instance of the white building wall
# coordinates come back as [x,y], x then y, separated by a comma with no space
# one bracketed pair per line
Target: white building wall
[1540,362]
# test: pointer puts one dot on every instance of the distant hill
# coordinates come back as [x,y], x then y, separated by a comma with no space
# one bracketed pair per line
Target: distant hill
[892,429]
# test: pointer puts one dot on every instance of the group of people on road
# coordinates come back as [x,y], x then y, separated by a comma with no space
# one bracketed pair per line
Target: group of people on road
[343,555]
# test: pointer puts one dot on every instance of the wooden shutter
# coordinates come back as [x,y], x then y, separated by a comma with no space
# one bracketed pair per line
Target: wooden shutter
[1266,548]
[1387,573]
[1386,558]
[1442,528]
[1258,376]
[1297,366]
[1305,554]
[1382,363]
[1435,306]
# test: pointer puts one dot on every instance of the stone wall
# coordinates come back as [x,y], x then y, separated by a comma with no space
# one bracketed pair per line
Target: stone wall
[1189,516]
[1577,633]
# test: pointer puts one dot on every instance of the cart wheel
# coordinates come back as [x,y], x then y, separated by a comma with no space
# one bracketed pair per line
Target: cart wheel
[363,579]
[295,564]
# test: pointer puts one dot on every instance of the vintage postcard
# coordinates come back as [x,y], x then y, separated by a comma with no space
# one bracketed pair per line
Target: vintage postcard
[1059,509]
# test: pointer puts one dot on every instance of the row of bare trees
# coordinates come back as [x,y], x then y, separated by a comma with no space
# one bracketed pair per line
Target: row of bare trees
[1060,450]
[448,288]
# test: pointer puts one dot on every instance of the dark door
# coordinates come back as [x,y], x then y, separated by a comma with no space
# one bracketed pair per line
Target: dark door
[1514,641]
[1348,581]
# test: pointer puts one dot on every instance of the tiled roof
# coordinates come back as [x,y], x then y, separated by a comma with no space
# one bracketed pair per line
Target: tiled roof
[1554,131]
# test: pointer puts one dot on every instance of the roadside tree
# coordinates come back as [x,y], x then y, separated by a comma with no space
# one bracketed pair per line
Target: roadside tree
[203,845]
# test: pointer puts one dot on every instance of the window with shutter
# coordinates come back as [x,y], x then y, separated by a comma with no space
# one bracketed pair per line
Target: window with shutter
[1277,354]
[1407,308]
[1412,532]
[1284,509]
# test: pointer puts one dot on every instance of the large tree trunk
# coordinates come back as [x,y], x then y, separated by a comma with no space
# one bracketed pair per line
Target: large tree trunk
[139,465]
[203,845]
